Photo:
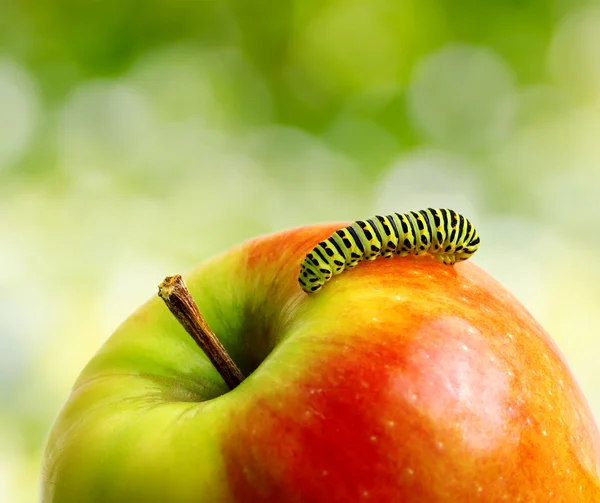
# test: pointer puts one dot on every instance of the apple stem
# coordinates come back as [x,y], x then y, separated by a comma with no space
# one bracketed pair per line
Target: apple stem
[181,304]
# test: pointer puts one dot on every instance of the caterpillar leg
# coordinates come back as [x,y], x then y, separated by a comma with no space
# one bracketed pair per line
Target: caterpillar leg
[448,259]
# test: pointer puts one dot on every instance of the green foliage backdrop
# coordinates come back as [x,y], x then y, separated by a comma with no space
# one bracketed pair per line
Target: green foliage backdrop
[139,138]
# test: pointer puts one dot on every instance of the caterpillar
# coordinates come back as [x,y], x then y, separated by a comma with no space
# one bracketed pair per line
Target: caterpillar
[445,234]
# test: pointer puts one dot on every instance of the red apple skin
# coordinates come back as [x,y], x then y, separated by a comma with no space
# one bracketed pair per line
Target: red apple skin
[423,383]
[402,380]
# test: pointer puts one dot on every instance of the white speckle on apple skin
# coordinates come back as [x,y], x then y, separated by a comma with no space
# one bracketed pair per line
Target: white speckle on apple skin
[373,438]
[410,471]
[324,473]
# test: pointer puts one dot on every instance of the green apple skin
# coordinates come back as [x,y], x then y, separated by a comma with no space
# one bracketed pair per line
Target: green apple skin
[402,380]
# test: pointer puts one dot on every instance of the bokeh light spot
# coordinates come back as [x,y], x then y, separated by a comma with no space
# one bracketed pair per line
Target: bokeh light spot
[428,178]
[463,97]
[573,59]
[19,111]
[352,46]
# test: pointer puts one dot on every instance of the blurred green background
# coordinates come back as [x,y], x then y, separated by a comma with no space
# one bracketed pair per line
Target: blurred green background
[139,138]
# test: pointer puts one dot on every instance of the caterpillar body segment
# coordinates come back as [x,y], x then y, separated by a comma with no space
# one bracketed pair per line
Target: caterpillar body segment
[447,235]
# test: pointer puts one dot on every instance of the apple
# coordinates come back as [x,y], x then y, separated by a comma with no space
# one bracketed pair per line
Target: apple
[402,380]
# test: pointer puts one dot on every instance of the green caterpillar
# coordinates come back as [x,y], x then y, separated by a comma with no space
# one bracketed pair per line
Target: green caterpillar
[448,236]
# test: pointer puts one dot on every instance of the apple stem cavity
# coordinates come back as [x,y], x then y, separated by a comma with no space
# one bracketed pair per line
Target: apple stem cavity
[181,304]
